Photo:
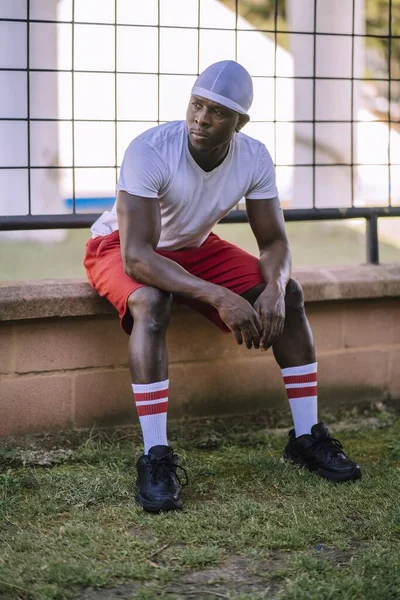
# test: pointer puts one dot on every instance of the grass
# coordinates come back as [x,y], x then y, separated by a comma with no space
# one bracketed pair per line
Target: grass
[253,526]
[314,244]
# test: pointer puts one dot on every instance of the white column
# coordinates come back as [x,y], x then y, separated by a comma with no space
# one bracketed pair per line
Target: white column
[333,98]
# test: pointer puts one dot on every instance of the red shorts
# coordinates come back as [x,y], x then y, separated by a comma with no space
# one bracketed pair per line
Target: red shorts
[216,261]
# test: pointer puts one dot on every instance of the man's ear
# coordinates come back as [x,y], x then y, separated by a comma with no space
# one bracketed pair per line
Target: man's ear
[243,119]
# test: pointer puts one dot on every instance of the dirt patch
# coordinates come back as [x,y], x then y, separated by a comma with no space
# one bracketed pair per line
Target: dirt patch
[142,534]
[340,557]
[237,575]
[32,458]
[123,592]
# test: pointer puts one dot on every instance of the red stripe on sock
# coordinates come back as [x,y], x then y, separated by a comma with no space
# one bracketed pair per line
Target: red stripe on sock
[300,378]
[150,395]
[151,409]
[304,392]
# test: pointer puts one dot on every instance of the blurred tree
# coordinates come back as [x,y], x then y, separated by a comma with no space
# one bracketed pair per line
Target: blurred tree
[263,14]
[268,14]
[378,12]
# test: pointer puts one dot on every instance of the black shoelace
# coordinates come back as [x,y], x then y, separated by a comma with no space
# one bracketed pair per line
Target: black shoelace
[163,467]
[329,444]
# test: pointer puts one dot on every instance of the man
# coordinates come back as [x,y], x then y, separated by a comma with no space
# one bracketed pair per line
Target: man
[177,181]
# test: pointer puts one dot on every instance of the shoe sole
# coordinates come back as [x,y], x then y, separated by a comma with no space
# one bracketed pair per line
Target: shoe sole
[353,476]
[156,507]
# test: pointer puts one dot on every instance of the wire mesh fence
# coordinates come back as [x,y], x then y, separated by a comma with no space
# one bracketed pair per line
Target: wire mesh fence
[80,78]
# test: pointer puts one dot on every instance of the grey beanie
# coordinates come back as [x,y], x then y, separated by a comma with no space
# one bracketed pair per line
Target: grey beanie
[227,83]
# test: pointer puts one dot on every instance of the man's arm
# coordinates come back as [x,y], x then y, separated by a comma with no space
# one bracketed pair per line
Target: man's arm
[266,220]
[139,222]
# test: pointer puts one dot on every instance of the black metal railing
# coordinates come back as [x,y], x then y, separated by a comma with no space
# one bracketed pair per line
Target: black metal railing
[77,219]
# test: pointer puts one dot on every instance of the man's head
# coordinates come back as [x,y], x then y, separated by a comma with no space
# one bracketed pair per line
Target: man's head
[220,100]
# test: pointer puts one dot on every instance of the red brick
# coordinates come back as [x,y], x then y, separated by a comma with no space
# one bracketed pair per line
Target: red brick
[6,348]
[369,323]
[58,344]
[103,398]
[360,375]
[394,374]
[192,337]
[29,404]
[327,324]
[225,386]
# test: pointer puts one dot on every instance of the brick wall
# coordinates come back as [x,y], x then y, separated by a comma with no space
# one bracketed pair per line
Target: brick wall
[61,370]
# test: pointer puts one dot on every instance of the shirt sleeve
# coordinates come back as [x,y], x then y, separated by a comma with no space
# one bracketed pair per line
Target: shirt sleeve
[264,185]
[143,172]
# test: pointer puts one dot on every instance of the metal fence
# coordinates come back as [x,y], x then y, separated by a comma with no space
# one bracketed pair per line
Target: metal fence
[26,19]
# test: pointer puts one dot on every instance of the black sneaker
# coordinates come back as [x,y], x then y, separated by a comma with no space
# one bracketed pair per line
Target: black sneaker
[321,453]
[158,486]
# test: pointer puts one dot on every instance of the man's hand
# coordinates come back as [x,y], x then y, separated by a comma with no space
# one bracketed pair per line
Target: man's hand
[241,318]
[267,223]
[270,307]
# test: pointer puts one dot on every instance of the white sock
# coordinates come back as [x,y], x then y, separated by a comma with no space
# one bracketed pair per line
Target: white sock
[151,404]
[301,388]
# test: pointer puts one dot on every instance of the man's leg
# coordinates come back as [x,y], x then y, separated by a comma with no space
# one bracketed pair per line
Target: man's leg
[144,313]
[310,443]
[158,487]
[148,361]
[295,346]
[295,354]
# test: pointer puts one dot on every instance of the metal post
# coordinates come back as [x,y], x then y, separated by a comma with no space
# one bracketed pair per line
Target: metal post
[372,240]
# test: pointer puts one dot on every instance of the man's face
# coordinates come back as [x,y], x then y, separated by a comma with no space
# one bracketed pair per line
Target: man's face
[209,124]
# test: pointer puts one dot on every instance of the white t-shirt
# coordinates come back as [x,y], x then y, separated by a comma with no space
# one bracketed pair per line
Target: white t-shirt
[158,164]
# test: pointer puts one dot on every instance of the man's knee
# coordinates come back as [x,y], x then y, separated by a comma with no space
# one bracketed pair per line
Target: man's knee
[151,307]
[294,295]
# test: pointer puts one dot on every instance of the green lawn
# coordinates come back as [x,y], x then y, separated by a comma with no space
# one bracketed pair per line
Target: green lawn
[313,244]
[253,527]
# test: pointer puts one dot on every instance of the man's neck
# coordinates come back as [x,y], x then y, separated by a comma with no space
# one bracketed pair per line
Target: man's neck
[211,159]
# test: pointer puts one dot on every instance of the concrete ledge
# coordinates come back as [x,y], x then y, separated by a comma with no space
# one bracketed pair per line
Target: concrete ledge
[74,297]
[46,298]
[73,372]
